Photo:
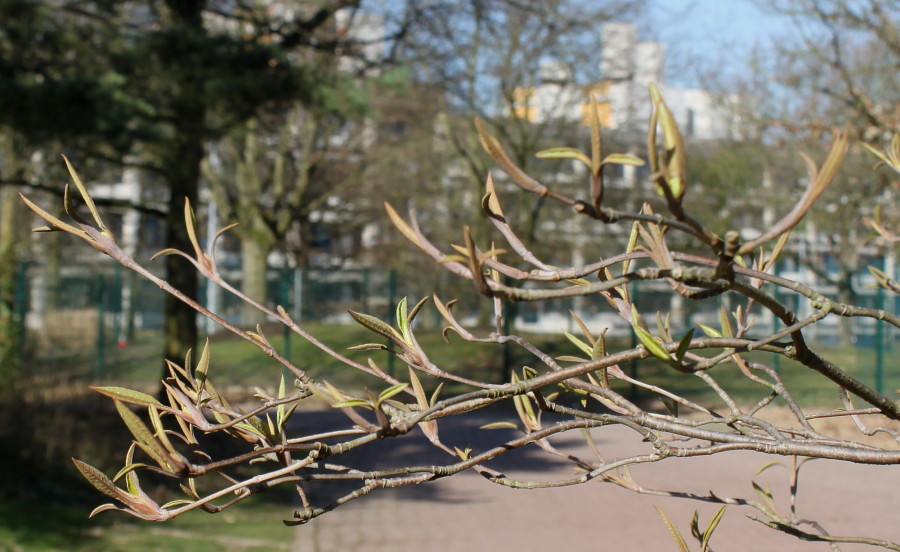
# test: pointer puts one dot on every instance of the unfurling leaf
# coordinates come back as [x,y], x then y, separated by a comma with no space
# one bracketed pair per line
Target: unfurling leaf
[352,402]
[564,153]
[128,396]
[391,391]
[623,159]
[376,326]
[709,330]
[710,529]
[585,348]
[501,425]
[676,535]
[684,345]
[368,347]
[674,168]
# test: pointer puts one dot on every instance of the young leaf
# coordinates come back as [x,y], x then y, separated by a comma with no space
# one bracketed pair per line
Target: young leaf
[401,224]
[676,535]
[369,347]
[585,348]
[684,344]
[622,159]
[673,144]
[86,197]
[402,318]
[144,437]
[649,343]
[376,326]
[463,454]
[709,330]
[128,396]
[98,479]
[391,391]
[415,310]
[564,153]
[500,425]
[352,402]
[201,373]
[713,523]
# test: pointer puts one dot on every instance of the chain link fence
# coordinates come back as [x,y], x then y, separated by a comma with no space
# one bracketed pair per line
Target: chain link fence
[84,324]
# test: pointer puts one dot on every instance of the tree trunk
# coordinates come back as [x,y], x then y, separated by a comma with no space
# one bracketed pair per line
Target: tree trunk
[254,284]
[183,157]
[10,340]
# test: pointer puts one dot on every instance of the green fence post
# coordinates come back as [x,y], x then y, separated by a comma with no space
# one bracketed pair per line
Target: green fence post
[20,300]
[879,341]
[100,364]
[286,277]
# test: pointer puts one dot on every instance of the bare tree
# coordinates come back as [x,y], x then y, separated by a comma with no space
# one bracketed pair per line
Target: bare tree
[584,391]
[838,67]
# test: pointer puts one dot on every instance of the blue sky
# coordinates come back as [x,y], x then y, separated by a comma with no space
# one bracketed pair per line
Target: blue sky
[704,34]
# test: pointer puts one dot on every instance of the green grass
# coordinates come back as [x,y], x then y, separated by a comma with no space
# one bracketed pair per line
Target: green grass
[34,527]
[240,365]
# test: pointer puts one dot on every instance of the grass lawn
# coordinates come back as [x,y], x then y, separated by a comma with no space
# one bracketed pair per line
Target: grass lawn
[33,527]
[238,366]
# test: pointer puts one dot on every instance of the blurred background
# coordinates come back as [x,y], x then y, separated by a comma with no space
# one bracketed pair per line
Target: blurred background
[298,120]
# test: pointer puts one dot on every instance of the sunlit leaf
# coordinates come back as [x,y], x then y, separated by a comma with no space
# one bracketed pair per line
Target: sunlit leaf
[676,535]
[391,391]
[564,153]
[501,425]
[128,396]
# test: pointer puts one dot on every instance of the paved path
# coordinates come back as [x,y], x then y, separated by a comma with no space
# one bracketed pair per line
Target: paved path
[466,512]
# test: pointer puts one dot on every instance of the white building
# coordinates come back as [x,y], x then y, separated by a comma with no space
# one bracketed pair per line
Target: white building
[627,66]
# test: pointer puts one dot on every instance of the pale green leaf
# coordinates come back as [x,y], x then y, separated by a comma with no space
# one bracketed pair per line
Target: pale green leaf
[564,153]
[623,159]
[585,348]
[501,425]
[676,535]
[391,391]
[128,396]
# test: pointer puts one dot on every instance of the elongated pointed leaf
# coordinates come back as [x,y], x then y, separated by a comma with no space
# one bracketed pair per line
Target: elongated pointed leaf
[713,523]
[82,190]
[201,373]
[391,391]
[98,479]
[709,330]
[676,535]
[369,347]
[673,143]
[585,348]
[565,153]
[352,402]
[401,224]
[684,345]
[415,310]
[402,317]
[144,437]
[623,159]
[490,202]
[501,425]
[129,396]
[376,325]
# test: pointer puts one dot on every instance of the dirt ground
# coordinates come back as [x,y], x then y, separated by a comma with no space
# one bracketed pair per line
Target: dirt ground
[466,512]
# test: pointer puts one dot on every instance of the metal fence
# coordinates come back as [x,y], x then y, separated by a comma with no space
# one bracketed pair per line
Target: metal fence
[79,324]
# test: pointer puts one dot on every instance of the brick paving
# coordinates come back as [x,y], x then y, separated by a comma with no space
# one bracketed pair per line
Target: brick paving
[466,512]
